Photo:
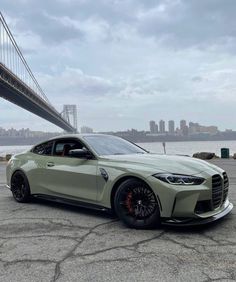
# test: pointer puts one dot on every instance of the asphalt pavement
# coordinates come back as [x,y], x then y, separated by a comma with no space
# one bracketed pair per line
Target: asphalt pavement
[42,241]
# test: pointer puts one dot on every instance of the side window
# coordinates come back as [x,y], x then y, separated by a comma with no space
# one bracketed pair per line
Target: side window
[44,148]
[63,147]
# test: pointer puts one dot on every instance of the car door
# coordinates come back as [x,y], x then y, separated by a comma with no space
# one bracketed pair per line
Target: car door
[36,167]
[71,177]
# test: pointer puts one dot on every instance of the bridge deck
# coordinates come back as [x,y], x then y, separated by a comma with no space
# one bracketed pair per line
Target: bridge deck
[17,92]
[18,84]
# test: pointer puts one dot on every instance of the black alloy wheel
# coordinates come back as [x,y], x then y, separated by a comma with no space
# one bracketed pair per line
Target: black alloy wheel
[20,187]
[136,205]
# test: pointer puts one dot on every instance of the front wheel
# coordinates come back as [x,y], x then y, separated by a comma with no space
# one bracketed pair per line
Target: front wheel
[136,205]
[20,187]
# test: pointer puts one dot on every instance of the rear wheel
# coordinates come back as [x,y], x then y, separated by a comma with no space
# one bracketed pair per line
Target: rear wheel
[20,187]
[136,205]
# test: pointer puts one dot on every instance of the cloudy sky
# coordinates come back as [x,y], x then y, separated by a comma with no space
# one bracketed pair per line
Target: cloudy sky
[125,62]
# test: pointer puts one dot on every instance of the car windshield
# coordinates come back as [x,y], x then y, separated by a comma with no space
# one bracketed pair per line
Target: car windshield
[111,145]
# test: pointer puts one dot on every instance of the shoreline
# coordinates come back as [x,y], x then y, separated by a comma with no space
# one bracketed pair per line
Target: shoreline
[6,141]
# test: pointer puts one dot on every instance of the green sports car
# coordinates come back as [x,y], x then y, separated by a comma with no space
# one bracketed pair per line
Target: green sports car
[109,173]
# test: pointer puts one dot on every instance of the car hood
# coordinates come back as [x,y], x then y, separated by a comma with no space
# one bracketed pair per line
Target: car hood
[165,163]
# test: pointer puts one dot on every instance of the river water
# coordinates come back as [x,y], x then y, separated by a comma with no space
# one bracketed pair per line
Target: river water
[12,149]
[191,147]
[185,148]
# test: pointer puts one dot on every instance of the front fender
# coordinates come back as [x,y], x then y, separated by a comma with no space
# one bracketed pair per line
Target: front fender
[115,175]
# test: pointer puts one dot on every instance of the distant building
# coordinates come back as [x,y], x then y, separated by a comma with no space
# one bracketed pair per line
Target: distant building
[86,129]
[156,128]
[152,126]
[185,131]
[178,132]
[183,124]
[208,129]
[171,127]
[162,126]
[213,129]
[194,128]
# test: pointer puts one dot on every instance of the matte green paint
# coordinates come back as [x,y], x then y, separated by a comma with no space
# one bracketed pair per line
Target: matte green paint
[80,179]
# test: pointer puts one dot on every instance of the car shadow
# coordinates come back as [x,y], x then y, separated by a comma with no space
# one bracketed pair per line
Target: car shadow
[74,208]
[171,229]
[111,215]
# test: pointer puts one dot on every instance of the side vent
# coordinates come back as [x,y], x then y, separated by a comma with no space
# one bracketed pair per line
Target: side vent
[104,174]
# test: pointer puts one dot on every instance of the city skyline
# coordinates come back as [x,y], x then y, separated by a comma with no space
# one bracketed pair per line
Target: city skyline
[185,128]
[167,125]
[118,66]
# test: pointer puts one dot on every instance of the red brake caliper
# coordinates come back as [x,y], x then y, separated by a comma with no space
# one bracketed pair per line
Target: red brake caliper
[128,202]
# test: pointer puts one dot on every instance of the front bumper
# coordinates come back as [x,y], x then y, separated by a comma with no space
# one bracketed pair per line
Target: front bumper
[200,220]
[190,202]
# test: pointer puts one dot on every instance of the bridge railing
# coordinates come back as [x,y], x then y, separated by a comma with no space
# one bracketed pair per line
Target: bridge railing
[12,58]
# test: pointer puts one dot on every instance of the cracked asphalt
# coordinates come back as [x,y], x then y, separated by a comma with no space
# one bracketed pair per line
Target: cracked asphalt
[43,241]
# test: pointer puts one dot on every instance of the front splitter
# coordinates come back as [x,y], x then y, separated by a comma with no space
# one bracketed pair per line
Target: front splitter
[197,221]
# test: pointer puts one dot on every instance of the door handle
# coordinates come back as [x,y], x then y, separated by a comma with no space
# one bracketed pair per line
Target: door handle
[50,164]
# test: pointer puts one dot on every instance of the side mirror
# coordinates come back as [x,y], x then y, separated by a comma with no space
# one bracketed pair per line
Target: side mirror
[80,153]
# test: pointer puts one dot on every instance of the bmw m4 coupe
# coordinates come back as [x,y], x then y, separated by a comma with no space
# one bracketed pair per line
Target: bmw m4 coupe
[109,173]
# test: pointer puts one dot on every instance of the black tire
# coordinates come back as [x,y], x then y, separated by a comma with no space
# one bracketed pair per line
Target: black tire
[136,205]
[20,187]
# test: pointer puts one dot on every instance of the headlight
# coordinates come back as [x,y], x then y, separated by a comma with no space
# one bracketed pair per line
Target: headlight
[178,179]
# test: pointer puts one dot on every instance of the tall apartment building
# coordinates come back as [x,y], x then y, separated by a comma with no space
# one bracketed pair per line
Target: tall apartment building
[183,124]
[162,126]
[153,127]
[171,127]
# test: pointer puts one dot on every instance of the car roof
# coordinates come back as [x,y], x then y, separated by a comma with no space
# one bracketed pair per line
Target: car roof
[77,135]
[66,136]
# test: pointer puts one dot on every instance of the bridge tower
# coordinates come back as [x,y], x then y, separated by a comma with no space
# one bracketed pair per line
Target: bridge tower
[70,115]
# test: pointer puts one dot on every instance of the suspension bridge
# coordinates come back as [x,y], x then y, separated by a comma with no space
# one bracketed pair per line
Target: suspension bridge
[18,85]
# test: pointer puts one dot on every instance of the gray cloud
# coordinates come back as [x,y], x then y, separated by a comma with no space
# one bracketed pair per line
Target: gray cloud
[74,83]
[190,23]
[174,23]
